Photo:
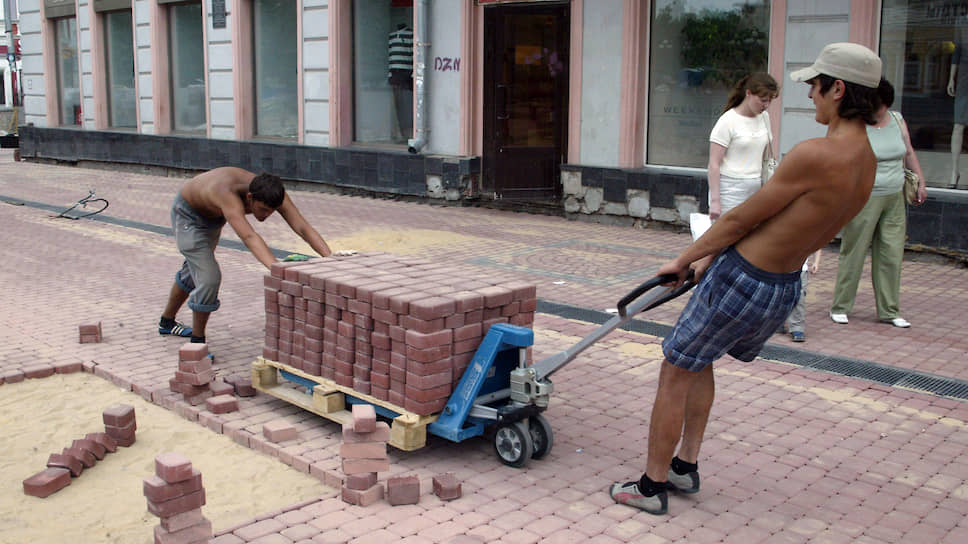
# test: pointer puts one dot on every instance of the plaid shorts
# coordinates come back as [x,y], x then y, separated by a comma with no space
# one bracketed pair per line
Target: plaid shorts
[735,309]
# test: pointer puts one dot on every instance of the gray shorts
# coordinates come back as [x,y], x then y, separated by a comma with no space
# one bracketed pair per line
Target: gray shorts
[196,237]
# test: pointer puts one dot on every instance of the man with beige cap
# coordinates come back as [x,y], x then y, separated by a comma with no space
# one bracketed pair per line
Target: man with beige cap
[748,266]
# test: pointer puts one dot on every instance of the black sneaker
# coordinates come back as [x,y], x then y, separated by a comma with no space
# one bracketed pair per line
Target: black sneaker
[175,330]
[628,493]
[684,483]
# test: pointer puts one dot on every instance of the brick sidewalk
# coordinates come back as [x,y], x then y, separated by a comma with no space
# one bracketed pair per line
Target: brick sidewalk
[792,454]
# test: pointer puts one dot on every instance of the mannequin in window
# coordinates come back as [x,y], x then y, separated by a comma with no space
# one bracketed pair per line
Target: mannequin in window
[400,77]
[958,88]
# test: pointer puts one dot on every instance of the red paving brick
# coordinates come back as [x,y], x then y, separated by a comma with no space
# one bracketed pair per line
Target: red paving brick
[791,455]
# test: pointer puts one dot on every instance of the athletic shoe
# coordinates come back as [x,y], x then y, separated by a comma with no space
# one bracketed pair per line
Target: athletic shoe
[175,330]
[798,336]
[628,493]
[684,483]
[899,322]
[839,318]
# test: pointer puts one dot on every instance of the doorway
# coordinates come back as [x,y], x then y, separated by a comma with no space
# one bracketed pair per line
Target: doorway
[525,99]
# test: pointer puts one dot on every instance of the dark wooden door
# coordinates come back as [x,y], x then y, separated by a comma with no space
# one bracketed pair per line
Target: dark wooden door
[525,99]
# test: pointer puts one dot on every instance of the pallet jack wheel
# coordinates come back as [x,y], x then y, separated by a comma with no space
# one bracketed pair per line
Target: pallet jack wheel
[513,444]
[541,436]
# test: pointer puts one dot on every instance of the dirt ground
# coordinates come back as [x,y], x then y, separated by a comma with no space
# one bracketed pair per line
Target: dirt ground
[106,502]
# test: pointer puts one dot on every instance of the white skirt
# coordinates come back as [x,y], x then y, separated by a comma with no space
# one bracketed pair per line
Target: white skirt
[735,191]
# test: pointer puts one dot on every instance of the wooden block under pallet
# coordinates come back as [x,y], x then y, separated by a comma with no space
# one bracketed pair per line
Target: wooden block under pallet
[408,431]
[263,374]
[326,400]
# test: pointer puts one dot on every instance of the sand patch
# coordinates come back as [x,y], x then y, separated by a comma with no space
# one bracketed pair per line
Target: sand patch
[106,502]
[402,242]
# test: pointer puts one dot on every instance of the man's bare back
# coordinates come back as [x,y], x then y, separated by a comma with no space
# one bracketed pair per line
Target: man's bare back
[208,192]
[834,177]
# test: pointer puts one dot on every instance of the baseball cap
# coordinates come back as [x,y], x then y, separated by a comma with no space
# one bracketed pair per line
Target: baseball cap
[849,62]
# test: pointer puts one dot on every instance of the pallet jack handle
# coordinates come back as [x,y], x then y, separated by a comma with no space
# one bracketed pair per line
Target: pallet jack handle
[654,282]
[630,305]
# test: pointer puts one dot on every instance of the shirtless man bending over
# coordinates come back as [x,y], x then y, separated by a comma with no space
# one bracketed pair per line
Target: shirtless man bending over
[203,205]
[749,262]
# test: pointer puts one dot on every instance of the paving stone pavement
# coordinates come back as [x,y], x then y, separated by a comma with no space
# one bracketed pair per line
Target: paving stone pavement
[791,455]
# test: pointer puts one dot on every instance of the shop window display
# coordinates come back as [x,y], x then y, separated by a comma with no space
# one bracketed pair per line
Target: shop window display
[924,46]
[275,70]
[698,51]
[68,80]
[383,71]
[119,51]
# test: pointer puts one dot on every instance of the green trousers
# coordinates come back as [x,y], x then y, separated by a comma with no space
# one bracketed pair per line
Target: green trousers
[881,226]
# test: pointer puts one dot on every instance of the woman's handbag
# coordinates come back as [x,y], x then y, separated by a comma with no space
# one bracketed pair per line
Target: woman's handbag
[911,186]
[911,180]
[769,161]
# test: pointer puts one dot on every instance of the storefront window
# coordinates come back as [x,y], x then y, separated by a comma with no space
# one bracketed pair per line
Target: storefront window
[275,71]
[699,49]
[187,67]
[924,47]
[119,45]
[383,71]
[68,87]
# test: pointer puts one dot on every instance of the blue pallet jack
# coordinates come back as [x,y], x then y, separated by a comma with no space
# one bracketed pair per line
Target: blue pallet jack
[498,388]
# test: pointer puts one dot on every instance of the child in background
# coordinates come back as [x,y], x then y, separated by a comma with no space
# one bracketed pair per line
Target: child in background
[795,323]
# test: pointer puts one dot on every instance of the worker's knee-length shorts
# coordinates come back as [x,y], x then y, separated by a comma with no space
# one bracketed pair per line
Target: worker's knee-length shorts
[197,236]
[735,309]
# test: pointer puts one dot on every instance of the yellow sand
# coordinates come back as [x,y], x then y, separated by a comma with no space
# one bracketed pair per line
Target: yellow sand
[106,502]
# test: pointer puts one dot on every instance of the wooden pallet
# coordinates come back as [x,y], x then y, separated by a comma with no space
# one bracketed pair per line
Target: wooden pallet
[408,430]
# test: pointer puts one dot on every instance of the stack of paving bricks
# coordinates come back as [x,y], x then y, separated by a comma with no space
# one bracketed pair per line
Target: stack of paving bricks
[175,494]
[119,425]
[364,454]
[194,373]
[398,328]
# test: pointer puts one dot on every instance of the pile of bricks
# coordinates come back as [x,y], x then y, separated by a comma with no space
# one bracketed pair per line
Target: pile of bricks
[195,380]
[400,329]
[175,494]
[364,454]
[90,333]
[119,426]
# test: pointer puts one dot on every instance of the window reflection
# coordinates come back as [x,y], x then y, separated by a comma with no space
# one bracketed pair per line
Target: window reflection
[699,49]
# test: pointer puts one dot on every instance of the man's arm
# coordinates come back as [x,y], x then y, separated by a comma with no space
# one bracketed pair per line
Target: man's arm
[788,183]
[234,213]
[300,226]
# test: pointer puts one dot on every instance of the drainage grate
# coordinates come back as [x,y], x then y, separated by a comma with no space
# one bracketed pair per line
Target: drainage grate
[861,369]
[932,384]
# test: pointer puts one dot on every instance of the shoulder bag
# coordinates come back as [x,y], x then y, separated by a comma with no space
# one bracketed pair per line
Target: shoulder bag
[769,161]
[911,180]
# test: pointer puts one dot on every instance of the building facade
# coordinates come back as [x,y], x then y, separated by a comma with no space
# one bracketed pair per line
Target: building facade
[601,108]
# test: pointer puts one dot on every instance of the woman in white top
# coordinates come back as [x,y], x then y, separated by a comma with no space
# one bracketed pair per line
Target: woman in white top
[738,141]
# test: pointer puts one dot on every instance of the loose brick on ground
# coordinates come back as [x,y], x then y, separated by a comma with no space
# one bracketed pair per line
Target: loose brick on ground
[364,418]
[279,430]
[403,490]
[66,461]
[380,434]
[222,404]
[158,490]
[177,505]
[90,445]
[85,457]
[200,532]
[173,467]
[192,352]
[108,443]
[362,498]
[447,486]
[47,482]
[119,415]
